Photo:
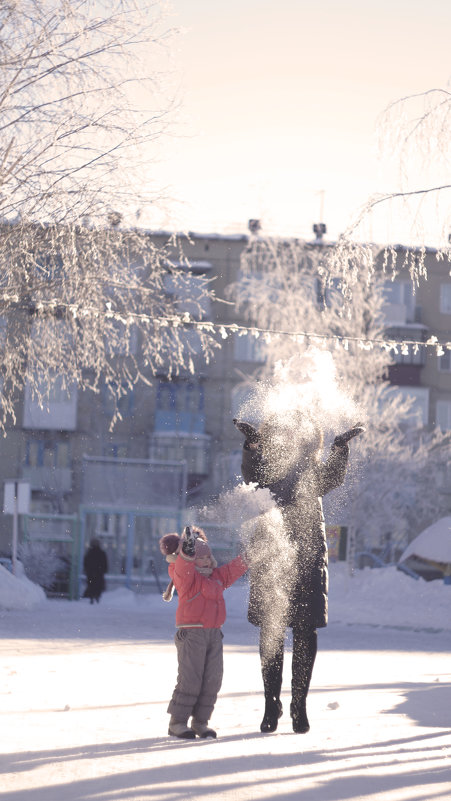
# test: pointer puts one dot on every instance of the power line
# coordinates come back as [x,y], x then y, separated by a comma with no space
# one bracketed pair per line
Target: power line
[127,318]
[366,343]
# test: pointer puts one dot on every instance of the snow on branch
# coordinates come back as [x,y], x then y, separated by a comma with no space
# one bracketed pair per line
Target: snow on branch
[86,298]
[93,306]
[81,102]
[305,295]
[415,151]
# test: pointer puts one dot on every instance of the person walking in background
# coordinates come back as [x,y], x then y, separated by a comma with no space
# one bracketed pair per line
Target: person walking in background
[201,612]
[95,565]
[288,567]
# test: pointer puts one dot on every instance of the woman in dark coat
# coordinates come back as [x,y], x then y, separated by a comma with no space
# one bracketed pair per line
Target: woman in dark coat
[95,566]
[289,577]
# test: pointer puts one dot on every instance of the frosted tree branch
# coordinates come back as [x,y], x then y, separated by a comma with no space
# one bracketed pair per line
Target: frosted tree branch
[392,483]
[84,295]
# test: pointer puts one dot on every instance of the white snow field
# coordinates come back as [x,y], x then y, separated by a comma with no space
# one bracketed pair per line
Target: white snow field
[85,690]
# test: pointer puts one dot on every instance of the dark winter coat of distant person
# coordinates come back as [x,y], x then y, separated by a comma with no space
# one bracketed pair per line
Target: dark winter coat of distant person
[95,565]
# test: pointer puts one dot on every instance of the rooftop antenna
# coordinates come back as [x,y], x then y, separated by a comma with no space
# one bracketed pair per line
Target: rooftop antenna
[319,229]
[254,226]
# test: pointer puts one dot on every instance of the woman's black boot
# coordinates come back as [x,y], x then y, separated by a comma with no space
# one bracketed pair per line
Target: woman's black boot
[273,711]
[299,717]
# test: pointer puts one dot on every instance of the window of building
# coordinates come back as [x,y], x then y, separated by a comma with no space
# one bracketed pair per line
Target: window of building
[115,450]
[62,455]
[35,453]
[192,396]
[49,266]
[188,294]
[47,453]
[445,298]
[444,362]
[124,403]
[175,446]
[247,348]
[181,396]
[400,293]
[328,293]
[180,407]
[166,396]
[443,415]
[59,405]
[123,340]
[250,283]
[413,354]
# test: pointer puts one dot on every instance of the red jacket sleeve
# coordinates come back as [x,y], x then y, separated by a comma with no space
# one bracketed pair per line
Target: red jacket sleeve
[232,571]
[186,578]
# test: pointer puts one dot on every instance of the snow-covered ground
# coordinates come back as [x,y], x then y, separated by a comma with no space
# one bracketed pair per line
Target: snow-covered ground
[85,690]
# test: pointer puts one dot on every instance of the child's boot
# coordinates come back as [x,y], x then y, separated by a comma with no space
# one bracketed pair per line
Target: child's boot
[180,729]
[202,729]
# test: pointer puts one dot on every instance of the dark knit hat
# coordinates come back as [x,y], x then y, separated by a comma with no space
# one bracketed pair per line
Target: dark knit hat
[202,548]
[169,544]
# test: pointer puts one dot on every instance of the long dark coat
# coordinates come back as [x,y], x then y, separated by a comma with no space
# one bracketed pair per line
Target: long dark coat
[298,495]
[95,566]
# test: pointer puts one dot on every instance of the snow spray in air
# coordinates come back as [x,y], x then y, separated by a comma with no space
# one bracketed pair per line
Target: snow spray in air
[294,412]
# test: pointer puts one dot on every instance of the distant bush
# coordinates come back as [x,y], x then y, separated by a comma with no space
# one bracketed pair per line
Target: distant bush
[41,563]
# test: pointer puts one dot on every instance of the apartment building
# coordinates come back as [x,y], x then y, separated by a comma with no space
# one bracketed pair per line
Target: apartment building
[176,446]
[419,314]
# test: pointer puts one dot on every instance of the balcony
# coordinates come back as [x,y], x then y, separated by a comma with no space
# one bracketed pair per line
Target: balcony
[410,359]
[192,448]
[395,314]
[53,480]
[170,421]
[58,414]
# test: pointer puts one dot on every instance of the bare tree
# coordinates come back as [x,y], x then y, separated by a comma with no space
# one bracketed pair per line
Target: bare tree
[297,288]
[42,563]
[82,107]
[83,306]
[415,140]
[80,103]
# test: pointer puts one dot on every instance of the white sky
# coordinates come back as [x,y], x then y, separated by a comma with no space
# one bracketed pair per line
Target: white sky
[281,102]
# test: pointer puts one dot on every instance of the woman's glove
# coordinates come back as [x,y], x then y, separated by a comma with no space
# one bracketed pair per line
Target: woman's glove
[188,542]
[343,439]
[249,431]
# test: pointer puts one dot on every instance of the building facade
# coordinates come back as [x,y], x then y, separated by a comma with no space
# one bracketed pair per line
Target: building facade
[184,419]
[421,314]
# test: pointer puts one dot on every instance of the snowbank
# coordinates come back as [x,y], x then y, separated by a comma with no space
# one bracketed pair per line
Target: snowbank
[122,598]
[373,596]
[386,596]
[433,543]
[17,592]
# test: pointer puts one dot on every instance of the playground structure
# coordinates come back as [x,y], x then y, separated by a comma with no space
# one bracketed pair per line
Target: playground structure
[384,559]
[128,504]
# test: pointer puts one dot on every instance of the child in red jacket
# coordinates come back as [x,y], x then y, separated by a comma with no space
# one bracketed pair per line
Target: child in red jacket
[201,611]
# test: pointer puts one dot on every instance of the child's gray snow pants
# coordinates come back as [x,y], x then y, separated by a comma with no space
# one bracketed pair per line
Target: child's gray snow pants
[200,670]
